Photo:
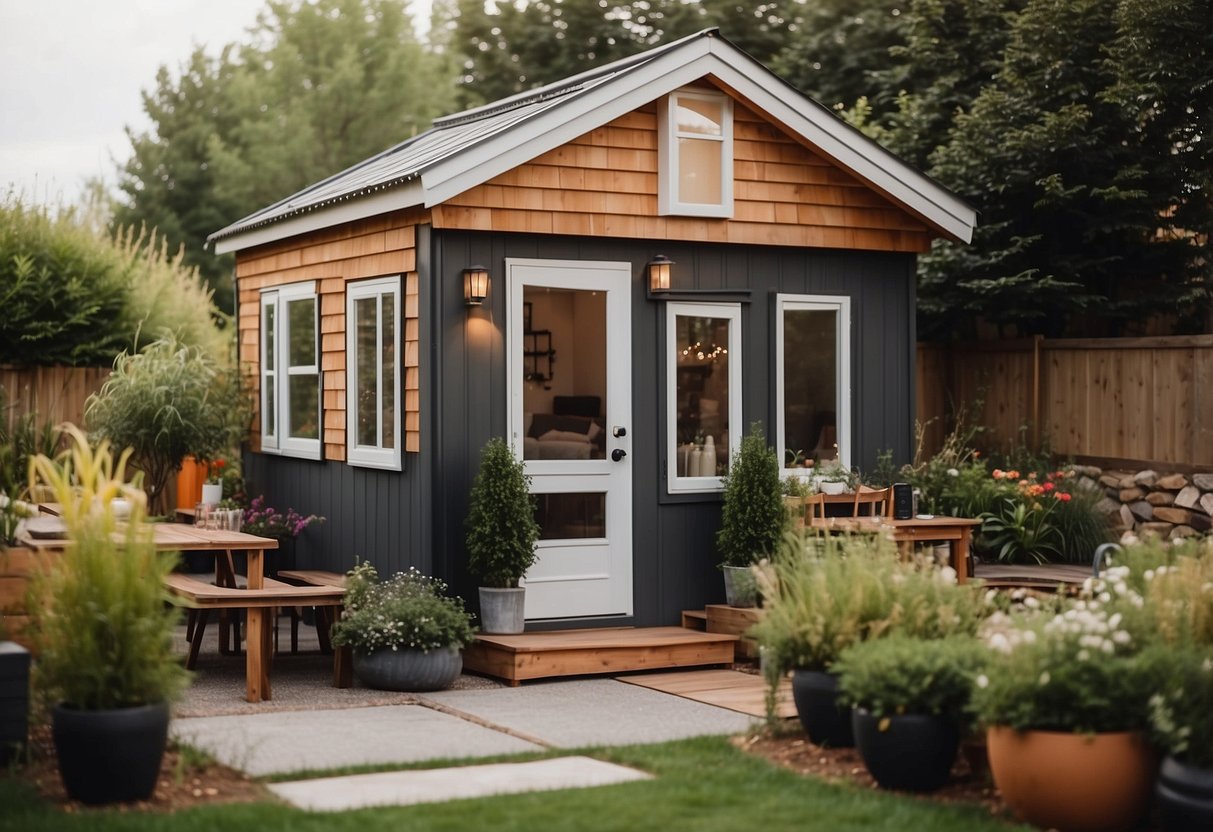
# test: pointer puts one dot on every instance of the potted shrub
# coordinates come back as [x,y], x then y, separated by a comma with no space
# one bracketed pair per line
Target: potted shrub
[910,698]
[829,592]
[752,518]
[165,402]
[103,631]
[832,478]
[405,632]
[501,536]
[1065,701]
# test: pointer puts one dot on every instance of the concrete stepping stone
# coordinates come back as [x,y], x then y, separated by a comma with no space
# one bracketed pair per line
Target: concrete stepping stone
[405,788]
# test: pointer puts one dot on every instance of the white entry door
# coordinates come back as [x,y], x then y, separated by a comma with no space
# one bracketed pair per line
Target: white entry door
[568,336]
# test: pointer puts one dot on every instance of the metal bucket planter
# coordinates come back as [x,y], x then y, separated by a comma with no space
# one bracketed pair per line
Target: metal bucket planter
[910,752]
[110,755]
[740,588]
[409,669]
[502,610]
[824,720]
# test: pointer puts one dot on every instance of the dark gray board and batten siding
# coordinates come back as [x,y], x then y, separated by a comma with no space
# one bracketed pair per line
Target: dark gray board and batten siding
[415,517]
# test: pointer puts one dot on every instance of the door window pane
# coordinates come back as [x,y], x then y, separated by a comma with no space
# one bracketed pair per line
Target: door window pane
[564,374]
[570,516]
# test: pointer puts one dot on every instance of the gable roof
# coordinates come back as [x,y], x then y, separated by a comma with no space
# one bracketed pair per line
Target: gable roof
[469,148]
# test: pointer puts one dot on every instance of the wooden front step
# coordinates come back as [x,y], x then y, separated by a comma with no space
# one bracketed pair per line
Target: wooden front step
[735,621]
[516,658]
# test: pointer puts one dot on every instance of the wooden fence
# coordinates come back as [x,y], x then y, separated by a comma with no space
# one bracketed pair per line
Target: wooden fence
[1110,401]
[53,394]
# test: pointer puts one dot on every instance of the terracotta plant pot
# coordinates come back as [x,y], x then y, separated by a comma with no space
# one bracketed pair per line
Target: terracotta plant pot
[1073,782]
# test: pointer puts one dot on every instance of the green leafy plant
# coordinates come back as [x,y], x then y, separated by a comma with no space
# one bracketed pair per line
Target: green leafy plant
[100,622]
[21,437]
[407,611]
[1181,712]
[165,402]
[753,517]
[1020,532]
[501,529]
[903,675]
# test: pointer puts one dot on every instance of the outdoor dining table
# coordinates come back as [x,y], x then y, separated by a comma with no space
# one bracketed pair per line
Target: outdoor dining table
[956,531]
[178,537]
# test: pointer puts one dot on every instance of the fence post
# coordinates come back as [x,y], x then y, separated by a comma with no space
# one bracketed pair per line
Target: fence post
[1036,344]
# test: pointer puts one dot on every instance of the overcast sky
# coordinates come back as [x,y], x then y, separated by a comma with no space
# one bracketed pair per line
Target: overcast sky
[71,73]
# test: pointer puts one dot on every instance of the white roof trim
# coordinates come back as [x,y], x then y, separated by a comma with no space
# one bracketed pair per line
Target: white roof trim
[612,95]
[406,195]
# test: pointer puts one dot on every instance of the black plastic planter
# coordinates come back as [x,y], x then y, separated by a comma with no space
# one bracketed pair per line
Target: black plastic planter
[912,752]
[825,721]
[110,756]
[1184,795]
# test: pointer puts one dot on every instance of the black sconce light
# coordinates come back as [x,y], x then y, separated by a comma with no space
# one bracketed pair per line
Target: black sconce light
[659,269]
[475,285]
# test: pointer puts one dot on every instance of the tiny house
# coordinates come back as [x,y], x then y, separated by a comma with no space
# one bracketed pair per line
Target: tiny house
[619,273]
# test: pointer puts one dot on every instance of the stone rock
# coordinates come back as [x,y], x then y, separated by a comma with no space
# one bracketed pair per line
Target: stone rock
[1188,497]
[1110,481]
[1128,481]
[1178,516]
[1203,481]
[1108,507]
[1142,510]
[1180,532]
[1130,495]
[1127,520]
[1206,502]
[1086,484]
[1172,482]
[1160,498]
[1087,471]
[1160,529]
[1146,478]
[1201,522]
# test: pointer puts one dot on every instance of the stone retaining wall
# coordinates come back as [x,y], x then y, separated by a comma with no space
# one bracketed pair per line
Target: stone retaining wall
[1171,506]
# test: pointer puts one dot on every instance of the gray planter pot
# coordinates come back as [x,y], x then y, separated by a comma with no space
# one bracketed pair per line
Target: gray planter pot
[409,669]
[740,588]
[502,611]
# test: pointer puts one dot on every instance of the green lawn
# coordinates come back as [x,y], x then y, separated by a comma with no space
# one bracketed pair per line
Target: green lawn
[704,785]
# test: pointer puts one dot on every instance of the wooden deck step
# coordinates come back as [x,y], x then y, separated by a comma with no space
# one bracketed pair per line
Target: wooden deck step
[741,692]
[735,621]
[695,619]
[1032,576]
[550,654]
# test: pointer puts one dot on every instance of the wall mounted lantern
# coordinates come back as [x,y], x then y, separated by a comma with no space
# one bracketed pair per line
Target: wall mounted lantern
[475,285]
[659,269]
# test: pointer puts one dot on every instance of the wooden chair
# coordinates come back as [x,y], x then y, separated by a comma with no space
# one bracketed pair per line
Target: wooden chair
[814,507]
[875,502]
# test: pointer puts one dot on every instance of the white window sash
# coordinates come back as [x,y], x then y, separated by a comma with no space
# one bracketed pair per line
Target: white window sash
[287,445]
[383,291]
[676,484]
[841,307]
[669,198]
[269,374]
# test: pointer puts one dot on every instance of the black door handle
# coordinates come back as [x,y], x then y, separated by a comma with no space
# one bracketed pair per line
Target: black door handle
[618,454]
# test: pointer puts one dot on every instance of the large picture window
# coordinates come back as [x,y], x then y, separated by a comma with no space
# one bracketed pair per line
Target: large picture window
[372,325]
[813,379]
[695,141]
[703,371]
[290,371]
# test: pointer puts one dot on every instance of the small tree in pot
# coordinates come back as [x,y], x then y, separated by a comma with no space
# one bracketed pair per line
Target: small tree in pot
[501,536]
[753,517]
[103,632]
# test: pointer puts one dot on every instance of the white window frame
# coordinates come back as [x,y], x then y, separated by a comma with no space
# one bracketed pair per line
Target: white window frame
[669,199]
[676,484]
[841,307]
[275,438]
[382,290]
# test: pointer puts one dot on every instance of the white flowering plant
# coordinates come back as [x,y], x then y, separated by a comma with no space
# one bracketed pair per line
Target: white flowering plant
[1081,668]
[407,611]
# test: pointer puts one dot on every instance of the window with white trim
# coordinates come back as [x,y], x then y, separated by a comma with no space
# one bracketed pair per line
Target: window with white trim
[290,371]
[695,154]
[372,355]
[703,398]
[813,379]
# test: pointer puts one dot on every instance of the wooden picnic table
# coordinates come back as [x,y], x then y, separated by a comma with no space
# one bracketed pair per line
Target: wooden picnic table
[956,531]
[177,537]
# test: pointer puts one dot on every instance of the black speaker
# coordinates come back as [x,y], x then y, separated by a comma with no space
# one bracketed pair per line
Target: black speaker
[903,501]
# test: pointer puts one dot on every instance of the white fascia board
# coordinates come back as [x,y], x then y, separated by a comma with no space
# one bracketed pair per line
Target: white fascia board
[661,76]
[405,195]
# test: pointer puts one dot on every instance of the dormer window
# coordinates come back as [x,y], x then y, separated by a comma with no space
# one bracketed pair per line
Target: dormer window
[695,141]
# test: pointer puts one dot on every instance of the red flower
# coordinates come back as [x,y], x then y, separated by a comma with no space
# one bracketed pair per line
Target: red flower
[1048,486]
[1063,496]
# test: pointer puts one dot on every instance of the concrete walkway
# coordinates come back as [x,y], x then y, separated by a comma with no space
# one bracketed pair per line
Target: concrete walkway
[455,725]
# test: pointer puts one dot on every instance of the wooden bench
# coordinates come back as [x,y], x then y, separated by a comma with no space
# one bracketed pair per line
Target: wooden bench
[343,666]
[203,596]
